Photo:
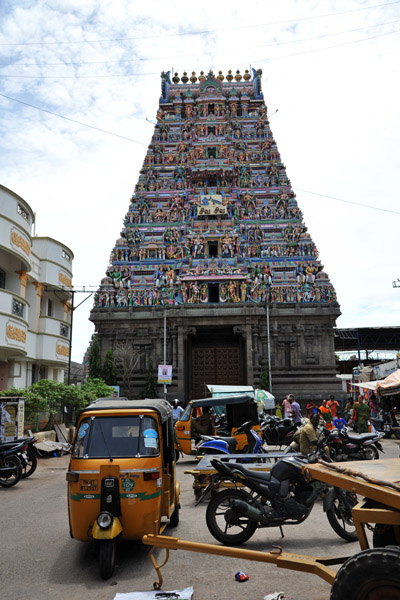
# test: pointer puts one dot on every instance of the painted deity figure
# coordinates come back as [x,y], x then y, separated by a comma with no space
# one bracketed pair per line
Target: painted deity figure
[204,293]
[222,293]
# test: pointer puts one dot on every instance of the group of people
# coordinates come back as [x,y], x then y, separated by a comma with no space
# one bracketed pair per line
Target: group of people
[330,412]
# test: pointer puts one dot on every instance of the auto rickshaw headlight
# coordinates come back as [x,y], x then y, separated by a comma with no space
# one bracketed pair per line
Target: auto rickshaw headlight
[104,520]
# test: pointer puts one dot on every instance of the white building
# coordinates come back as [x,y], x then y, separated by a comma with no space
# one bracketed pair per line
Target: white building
[35,294]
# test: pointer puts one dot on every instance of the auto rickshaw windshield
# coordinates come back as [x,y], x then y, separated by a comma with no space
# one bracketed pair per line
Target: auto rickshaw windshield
[117,437]
[186,415]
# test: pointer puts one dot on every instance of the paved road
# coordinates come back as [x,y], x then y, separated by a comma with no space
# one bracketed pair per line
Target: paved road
[38,560]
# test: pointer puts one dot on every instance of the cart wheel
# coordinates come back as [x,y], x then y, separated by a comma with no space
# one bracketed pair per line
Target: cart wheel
[107,554]
[384,535]
[369,575]
[177,455]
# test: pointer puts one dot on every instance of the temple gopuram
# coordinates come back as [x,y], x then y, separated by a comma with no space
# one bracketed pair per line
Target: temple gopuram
[214,242]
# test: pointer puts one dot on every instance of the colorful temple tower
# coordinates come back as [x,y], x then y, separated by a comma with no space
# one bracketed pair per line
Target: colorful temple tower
[213,240]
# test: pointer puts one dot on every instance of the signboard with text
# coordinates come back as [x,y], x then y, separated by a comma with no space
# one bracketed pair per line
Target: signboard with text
[164,374]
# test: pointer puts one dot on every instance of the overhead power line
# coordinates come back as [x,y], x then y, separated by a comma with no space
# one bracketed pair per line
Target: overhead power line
[202,32]
[254,61]
[72,120]
[165,57]
[395,212]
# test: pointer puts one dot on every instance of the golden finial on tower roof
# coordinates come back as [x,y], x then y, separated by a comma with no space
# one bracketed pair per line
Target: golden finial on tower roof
[175,78]
[246,75]
[193,78]
[229,77]
[220,76]
[201,76]
[238,76]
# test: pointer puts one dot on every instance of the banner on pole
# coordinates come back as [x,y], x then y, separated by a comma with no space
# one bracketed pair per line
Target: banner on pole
[164,374]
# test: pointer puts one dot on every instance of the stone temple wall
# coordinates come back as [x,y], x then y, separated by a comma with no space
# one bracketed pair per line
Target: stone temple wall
[212,236]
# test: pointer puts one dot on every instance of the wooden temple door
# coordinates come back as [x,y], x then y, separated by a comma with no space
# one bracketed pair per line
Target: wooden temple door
[218,365]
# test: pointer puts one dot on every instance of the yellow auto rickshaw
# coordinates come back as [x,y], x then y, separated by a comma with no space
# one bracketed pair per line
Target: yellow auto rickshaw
[121,476]
[238,409]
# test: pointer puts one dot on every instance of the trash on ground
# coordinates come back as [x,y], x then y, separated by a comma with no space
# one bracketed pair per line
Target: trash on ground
[48,447]
[241,577]
[186,594]
[275,596]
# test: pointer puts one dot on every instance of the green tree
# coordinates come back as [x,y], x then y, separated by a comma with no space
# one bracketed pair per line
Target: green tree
[150,389]
[109,373]
[47,396]
[264,379]
[93,389]
[95,370]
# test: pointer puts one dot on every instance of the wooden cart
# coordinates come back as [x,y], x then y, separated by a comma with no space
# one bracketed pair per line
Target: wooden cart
[373,573]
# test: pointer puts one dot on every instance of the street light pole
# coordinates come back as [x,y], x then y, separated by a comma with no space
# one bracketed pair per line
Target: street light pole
[269,348]
[70,336]
[165,349]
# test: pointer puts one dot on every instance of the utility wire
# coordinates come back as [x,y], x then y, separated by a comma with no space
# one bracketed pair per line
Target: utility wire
[72,120]
[257,60]
[395,212]
[141,143]
[204,32]
[164,57]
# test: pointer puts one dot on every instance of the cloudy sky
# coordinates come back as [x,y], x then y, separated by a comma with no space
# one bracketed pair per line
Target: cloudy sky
[330,68]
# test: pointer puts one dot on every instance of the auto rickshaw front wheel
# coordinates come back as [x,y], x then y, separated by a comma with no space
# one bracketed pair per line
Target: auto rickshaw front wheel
[369,575]
[107,555]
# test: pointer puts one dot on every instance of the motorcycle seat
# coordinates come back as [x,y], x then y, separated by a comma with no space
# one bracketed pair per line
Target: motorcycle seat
[261,476]
[8,445]
[231,441]
[361,437]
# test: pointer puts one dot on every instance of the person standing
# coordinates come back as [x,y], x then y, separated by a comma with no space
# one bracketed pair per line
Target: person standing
[373,406]
[348,409]
[296,412]
[287,408]
[326,414]
[333,406]
[362,416]
[311,408]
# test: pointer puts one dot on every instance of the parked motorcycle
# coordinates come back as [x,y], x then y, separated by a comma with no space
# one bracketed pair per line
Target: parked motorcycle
[344,445]
[229,445]
[10,464]
[25,450]
[387,424]
[276,431]
[279,497]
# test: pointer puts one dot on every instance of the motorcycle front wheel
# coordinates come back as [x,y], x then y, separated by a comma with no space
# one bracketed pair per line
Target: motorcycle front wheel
[228,527]
[340,516]
[10,471]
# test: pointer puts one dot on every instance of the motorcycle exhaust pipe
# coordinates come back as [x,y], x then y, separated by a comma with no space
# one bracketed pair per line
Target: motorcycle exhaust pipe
[251,512]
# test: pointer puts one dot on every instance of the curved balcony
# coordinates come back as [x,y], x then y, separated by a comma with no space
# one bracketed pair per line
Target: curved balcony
[54,327]
[13,336]
[52,349]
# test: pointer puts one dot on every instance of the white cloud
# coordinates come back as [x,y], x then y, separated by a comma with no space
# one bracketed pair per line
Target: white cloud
[337,127]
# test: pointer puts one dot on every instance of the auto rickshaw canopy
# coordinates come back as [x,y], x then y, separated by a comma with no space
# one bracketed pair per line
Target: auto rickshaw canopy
[163,407]
[239,408]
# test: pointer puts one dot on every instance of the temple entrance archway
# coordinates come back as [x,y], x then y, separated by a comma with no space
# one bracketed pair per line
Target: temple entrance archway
[215,357]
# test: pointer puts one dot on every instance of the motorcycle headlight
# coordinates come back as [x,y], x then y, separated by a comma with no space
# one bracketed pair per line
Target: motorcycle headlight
[104,520]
